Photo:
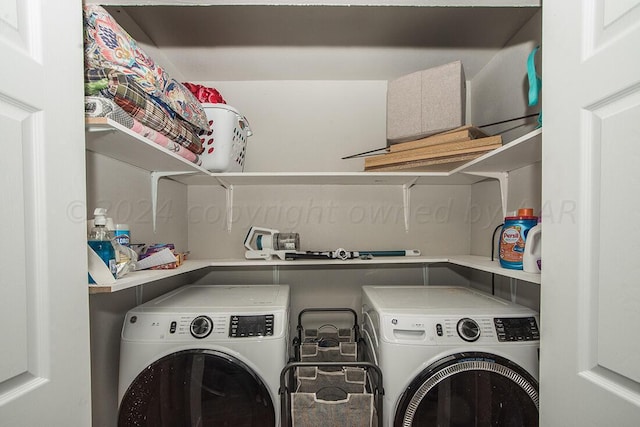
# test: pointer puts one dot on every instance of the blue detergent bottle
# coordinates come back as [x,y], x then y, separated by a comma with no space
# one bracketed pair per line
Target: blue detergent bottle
[513,238]
[99,240]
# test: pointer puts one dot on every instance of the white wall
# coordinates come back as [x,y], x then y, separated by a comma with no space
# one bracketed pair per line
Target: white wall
[308,126]
[330,217]
[500,90]
[126,193]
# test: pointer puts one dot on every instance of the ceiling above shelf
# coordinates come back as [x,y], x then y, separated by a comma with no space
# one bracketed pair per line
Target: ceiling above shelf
[235,41]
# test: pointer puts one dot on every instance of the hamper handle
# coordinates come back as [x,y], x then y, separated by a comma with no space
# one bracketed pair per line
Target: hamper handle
[326,310]
[244,124]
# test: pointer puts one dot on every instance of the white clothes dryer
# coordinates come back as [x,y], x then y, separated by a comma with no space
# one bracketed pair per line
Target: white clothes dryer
[452,356]
[205,356]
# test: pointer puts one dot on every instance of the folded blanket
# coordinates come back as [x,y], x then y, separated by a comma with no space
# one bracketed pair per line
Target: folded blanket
[108,45]
[132,99]
[95,106]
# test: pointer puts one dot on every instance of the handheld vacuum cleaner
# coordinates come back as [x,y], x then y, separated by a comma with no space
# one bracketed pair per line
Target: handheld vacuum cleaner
[265,243]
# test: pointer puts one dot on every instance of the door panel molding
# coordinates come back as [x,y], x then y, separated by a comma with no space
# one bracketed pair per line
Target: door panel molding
[25,332]
[610,158]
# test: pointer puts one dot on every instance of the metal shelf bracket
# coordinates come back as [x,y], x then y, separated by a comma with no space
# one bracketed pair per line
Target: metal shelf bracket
[229,190]
[503,180]
[406,202]
[155,177]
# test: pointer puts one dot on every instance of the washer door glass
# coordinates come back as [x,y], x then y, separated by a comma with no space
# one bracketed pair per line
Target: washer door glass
[470,389]
[197,388]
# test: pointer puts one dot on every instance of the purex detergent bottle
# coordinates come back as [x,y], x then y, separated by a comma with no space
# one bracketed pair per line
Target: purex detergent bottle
[513,238]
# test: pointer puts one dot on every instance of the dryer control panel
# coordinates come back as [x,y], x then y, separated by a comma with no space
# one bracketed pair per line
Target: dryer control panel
[517,328]
[251,326]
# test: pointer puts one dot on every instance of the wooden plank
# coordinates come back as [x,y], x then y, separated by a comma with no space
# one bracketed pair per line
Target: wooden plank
[463,133]
[431,165]
[441,150]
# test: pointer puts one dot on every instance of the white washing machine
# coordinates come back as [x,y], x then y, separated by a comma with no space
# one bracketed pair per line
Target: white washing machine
[205,356]
[452,356]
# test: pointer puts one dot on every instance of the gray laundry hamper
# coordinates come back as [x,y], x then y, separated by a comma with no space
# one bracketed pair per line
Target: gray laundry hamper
[327,384]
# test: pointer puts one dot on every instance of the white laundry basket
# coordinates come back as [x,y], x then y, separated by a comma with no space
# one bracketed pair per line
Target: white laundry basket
[225,146]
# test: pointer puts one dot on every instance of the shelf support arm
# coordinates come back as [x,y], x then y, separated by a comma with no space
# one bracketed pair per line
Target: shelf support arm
[229,192]
[406,202]
[503,180]
[155,177]
[513,288]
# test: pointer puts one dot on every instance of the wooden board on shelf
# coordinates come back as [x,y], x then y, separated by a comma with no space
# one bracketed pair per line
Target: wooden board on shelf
[464,133]
[444,164]
[440,151]
[437,163]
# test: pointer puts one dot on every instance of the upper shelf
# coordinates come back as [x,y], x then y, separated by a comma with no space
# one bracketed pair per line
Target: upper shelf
[328,178]
[111,139]
[107,137]
[519,153]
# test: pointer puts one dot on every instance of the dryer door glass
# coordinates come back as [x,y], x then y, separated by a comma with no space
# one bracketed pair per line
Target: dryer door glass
[470,389]
[197,388]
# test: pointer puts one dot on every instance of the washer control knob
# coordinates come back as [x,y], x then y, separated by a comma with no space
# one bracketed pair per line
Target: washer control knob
[468,329]
[201,327]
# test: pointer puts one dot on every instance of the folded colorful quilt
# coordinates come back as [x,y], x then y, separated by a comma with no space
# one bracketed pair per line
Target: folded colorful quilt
[132,99]
[96,106]
[108,45]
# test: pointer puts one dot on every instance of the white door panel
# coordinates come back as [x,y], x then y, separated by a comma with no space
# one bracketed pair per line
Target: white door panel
[590,298]
[15,283]
[44,362]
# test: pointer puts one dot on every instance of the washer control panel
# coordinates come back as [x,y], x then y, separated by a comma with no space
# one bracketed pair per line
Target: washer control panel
[204,326]
[516,329]
[251,326]
[440,330]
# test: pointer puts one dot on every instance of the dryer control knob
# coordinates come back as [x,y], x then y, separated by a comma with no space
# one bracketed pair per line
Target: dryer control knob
[468,329]
[201,327]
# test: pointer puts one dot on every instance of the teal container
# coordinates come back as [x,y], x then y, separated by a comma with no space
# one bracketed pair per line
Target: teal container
[513,237]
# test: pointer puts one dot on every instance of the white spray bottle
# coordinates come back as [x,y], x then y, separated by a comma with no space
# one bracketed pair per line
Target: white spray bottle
[531,258]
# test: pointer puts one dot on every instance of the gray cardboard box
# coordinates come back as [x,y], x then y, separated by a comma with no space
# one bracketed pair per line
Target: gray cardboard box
[426,102]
